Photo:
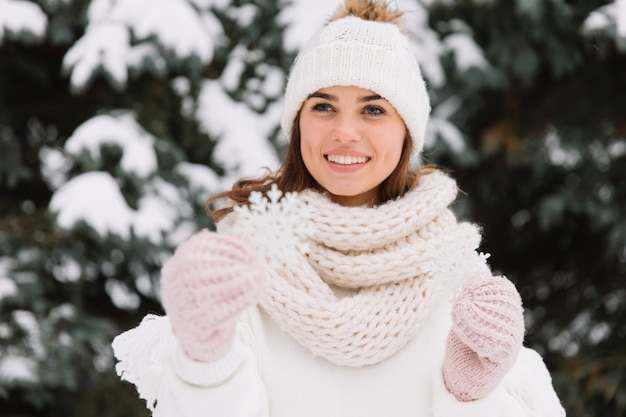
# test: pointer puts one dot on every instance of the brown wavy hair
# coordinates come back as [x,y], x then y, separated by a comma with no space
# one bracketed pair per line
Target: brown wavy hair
[293,176]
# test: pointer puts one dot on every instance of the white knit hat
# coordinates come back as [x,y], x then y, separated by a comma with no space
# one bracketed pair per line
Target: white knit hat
[377,56]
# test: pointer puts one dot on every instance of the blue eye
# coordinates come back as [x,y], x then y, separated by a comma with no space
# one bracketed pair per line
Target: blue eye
[373,110]
[321,107]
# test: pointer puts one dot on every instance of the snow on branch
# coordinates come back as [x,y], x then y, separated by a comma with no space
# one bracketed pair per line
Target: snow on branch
[95,198]
[139,34]
[139,156]
[610,20]
[22,20]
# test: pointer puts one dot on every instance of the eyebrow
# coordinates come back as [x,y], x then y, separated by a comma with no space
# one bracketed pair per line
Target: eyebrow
[331,97]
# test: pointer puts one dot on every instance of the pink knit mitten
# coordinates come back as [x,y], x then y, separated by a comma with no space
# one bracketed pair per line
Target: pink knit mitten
[208,282]
[485,339]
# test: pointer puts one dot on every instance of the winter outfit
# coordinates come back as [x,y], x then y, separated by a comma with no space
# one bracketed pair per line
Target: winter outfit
[298,306]
[353,324]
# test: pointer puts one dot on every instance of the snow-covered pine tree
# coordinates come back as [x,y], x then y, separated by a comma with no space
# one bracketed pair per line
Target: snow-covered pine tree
[118,118]
[544,121]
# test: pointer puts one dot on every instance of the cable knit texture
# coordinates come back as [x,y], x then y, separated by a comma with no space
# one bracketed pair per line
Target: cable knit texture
[485,339]
[371,275]
[208,282]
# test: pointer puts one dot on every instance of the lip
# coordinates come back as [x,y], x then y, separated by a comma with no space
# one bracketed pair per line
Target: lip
[345,152]
[350,168]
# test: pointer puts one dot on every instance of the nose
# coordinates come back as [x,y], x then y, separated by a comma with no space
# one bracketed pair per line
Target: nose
[346,130]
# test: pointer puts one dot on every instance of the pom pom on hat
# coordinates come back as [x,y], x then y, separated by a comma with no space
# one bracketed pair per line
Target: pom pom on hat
[363,46]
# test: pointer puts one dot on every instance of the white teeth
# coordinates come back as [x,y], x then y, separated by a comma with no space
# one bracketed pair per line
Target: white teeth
[347,159]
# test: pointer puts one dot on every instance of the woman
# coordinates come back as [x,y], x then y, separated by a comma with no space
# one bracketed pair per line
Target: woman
[342,284]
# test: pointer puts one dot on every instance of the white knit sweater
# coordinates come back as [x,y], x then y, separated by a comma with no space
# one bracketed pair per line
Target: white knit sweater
[278,367]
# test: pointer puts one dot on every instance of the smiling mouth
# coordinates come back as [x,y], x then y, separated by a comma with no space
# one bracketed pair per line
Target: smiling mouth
[347,159]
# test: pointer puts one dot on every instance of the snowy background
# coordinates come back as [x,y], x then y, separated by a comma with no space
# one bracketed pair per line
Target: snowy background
[188,30]
[121,178]
[243,148]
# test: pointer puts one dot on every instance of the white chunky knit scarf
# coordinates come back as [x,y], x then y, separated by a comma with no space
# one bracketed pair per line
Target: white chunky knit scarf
[369,276]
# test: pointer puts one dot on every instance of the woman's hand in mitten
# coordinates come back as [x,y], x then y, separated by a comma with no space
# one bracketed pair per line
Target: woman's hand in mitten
[485,339]
[206,285]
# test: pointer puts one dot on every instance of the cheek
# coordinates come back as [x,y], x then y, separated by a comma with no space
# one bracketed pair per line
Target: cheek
[309,141]
[392,159]
[306,151]
[394,147]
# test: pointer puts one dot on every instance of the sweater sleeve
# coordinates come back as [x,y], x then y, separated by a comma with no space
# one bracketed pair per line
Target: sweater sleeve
[173,385]
[526,391]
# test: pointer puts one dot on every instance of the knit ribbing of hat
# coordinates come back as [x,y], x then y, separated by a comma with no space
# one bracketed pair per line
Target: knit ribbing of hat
[399,241]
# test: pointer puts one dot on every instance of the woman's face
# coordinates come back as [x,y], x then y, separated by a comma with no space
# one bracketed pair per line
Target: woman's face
[351,141]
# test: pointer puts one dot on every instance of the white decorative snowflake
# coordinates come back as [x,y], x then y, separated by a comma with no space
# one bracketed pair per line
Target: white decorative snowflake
[457,263]
[276,224]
